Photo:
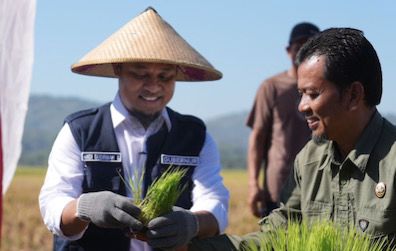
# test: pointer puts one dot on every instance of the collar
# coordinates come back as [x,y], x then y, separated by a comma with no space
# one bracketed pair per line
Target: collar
[365,145]
[119,113]
[360,155]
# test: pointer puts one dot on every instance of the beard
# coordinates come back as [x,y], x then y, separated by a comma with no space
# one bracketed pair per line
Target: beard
[144,118]
[320,139]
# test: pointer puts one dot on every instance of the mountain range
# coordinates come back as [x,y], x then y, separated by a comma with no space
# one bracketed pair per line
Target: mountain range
[45,118]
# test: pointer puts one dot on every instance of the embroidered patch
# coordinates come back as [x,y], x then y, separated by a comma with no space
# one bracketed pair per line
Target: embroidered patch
[179,160]
[101,156]
[363,224]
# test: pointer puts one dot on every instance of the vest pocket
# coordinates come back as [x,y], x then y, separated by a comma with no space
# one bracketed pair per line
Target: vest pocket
[100,176]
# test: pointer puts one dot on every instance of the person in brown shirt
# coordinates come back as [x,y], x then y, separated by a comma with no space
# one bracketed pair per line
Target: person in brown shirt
[279,131]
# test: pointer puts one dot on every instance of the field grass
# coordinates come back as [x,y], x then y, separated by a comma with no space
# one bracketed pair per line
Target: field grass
[23,229]
[240,220]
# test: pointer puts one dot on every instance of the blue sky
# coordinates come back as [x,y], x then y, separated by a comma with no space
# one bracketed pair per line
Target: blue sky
[245,40]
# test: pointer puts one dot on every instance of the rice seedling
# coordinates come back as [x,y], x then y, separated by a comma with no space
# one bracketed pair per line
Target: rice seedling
[134,183]
[318,236]
[161,195]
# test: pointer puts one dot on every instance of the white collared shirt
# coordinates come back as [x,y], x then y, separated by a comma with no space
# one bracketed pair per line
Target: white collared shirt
[64,178]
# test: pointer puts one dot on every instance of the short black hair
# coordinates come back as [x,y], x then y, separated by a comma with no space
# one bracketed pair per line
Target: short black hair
[302,30]
[349,57]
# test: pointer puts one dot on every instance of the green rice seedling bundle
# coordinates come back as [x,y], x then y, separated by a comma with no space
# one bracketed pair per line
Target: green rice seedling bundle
[318,236]
[161,195]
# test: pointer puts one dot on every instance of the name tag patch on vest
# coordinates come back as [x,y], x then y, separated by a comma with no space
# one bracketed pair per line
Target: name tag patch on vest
[179,160]
[101,156]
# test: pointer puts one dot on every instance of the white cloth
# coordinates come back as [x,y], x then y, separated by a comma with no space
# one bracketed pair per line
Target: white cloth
[63,181]
[16,64]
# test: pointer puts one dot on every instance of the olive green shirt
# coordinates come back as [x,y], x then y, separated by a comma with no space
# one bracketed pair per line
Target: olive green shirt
[359,190]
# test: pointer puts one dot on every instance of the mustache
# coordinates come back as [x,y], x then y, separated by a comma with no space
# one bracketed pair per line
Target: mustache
[149,93]
[308,115]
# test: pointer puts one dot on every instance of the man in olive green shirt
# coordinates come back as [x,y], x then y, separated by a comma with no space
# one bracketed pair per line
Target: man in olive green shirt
[346,173]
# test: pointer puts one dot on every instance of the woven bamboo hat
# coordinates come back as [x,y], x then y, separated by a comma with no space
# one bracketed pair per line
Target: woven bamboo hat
[147,39]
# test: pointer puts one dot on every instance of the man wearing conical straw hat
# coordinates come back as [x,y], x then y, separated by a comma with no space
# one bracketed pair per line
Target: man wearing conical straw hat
[84,200]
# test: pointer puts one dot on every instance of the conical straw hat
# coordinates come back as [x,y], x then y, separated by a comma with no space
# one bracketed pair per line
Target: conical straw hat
[147,39]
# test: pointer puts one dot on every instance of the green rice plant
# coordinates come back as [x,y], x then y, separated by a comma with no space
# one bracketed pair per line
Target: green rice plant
[318,236]
[161,195]
[134,184]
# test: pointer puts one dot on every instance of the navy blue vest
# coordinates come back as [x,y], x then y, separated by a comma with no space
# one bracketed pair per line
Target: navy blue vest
[93,132]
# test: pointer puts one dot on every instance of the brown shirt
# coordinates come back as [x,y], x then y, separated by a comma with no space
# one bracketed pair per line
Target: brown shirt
[275,111]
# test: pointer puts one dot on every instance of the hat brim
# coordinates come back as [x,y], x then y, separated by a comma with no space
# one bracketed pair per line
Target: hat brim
[147,39]
[186,72]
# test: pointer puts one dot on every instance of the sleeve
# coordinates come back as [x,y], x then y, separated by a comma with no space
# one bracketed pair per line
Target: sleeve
[63,181]
[290,203]
[258,240]
[260,116]
[209,192]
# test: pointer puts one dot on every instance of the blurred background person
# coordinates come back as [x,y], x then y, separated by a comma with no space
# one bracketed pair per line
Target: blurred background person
[279,131]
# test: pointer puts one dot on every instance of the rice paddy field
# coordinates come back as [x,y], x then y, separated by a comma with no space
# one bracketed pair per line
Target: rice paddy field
[23,229]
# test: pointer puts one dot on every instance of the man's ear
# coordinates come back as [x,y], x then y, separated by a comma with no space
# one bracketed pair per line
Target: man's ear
[117,69]
[355,95]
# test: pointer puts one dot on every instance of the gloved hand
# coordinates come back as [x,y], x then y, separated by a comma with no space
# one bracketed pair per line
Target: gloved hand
[172,230]
[109,210]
